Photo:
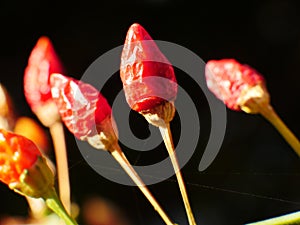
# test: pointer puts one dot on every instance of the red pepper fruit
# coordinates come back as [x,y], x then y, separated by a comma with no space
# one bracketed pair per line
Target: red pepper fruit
[42,62]
[88,116]
[81,106]
[17,154]
[141,59]
[22,166]
[241,87]
[235,84]
[150,88]
[24,169]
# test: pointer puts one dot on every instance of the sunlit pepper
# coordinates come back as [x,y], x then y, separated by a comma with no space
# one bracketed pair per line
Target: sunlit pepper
[42,62]
[237,85]
[150,88]
[88,116]
[148,77]
[82,107]
[241,87]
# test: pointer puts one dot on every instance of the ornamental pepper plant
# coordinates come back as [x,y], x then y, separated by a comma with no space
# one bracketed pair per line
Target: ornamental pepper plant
[150,87]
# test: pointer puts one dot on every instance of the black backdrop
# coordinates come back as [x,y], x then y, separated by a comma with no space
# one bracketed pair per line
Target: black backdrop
[255,175]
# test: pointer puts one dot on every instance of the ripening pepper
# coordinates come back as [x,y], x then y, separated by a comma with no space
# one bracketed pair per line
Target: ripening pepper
[42,62]
[24,170]
[148,77]
[239,86]
[22,166]
[83,109]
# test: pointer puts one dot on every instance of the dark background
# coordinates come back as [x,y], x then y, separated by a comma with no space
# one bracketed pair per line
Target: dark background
[255,175]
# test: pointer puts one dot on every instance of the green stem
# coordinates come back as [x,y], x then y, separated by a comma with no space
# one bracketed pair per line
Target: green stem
[288,219]
[55,204]
[269,113]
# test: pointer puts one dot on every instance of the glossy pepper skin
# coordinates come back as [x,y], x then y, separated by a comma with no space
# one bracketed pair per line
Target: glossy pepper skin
[81,106]
[230,81]
[142,59]
[43,61]
[17,154]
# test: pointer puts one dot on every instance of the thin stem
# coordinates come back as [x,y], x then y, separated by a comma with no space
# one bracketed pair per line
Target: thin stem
[57,133]
[167,136]
[288,219]
[122,160]
[269,113]
[54,203]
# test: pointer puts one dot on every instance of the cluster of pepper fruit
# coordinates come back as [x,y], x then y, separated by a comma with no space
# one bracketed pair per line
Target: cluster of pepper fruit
[55,97]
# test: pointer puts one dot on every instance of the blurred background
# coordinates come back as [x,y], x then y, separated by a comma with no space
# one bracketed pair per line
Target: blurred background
[254,176]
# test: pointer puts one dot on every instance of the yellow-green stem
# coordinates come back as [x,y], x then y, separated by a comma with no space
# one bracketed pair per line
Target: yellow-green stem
[269,113]
[167,136]
[289,219]
[117,153]
[55,204]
